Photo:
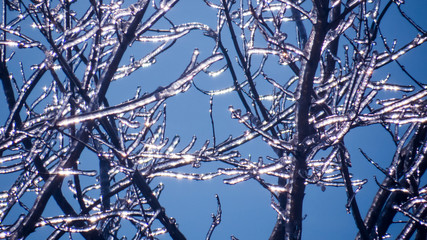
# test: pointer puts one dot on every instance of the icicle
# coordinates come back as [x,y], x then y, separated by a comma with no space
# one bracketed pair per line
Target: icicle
[81,38]
[129,123]
[334,33]
[188,176]
[332,120]
[173,145]
[68,172]
[162,38]
[237,179]
[4,159]
[231,171]
[218,72]
[12,168]
[277,188]
[189,146]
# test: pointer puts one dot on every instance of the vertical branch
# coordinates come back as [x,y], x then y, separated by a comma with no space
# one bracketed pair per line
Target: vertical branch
[233,75]
[301,31]
[303,97]
[351,195]
[333,46]
[243,62]
[216,219]
[309,64]
[104,167]
[212,120]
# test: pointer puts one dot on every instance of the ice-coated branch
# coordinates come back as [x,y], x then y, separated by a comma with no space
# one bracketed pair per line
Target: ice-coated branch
[160,94]
[216,219]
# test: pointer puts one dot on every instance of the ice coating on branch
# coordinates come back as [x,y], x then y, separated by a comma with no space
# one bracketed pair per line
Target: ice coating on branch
[160,94]
[338,30]
[50,129]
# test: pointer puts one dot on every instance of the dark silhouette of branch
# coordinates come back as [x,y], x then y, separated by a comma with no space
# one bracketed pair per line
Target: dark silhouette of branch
[351,195]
